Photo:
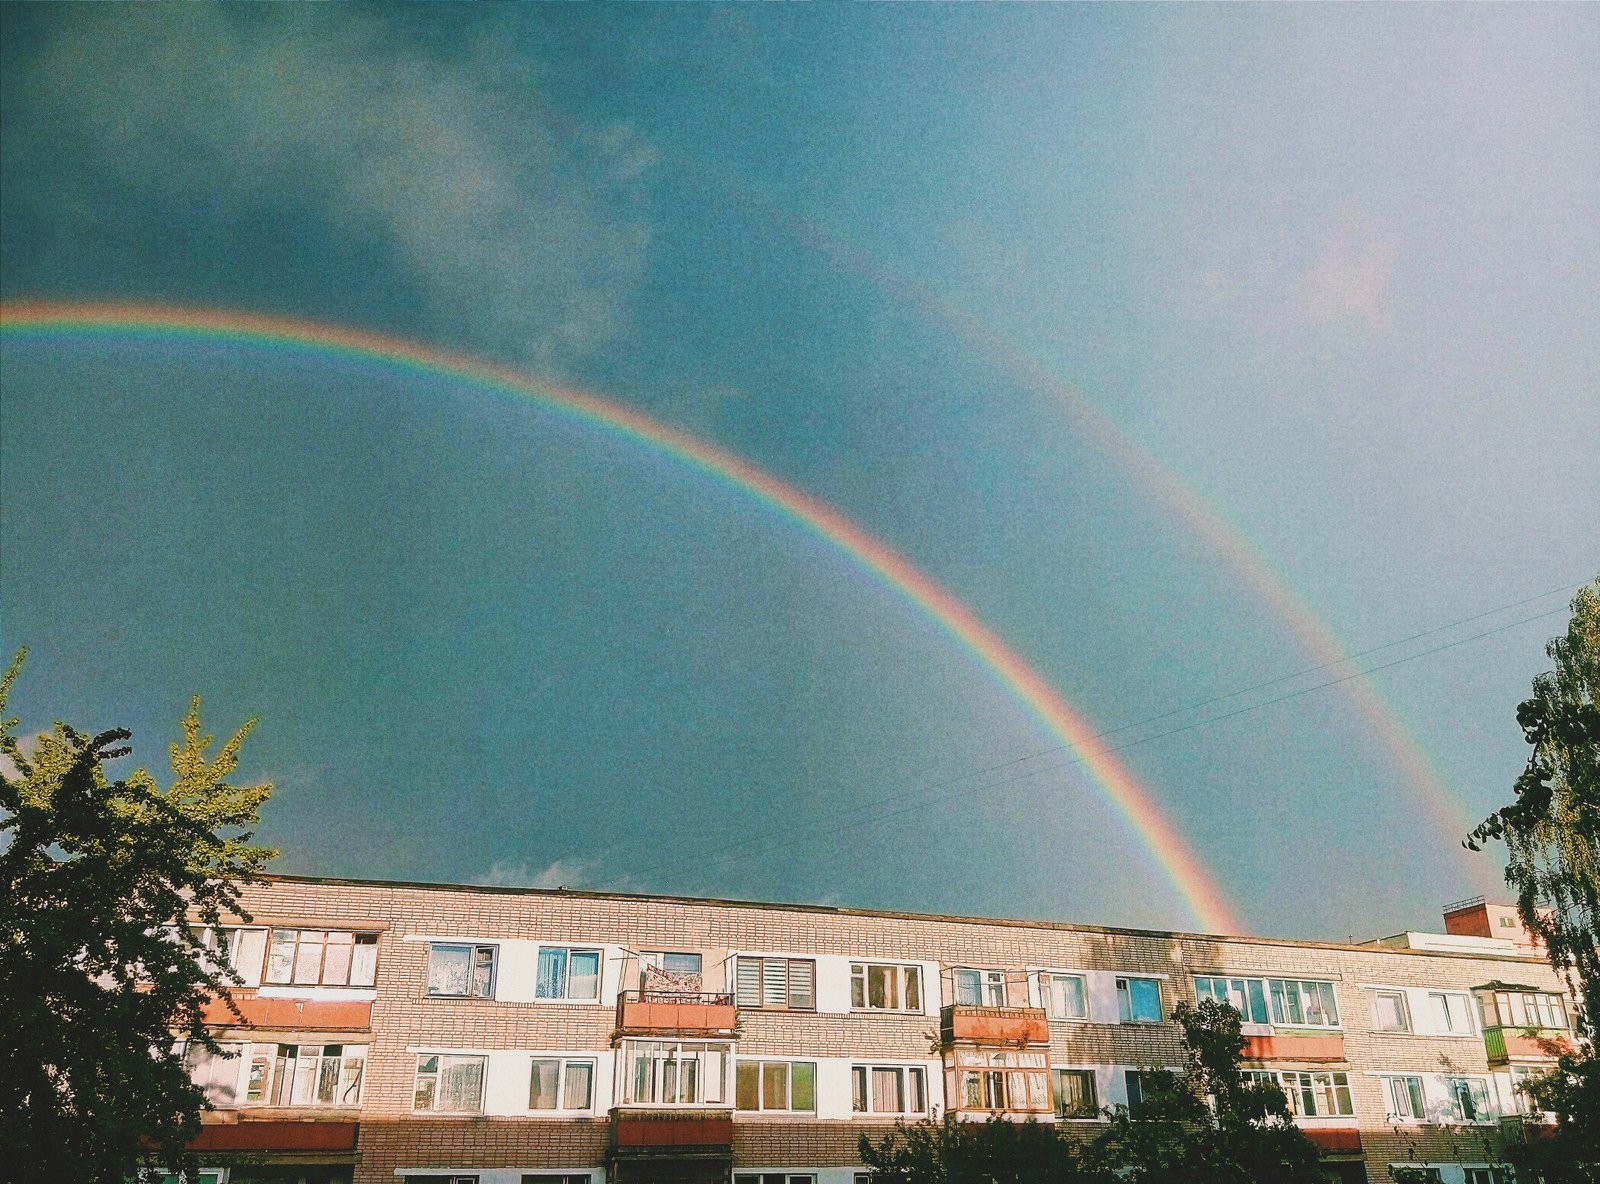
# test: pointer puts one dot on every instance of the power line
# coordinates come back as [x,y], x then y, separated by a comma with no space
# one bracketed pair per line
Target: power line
[744,849]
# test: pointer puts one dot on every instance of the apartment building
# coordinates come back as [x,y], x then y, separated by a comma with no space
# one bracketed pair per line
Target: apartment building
[396,1033]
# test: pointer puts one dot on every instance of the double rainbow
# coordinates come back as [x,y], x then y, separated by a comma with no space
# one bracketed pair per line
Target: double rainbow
[1204,898]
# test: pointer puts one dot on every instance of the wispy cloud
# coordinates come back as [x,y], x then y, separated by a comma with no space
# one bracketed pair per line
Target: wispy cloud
[518,873]
[521,233]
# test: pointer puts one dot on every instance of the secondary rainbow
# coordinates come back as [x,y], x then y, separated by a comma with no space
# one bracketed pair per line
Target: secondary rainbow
[1200,892]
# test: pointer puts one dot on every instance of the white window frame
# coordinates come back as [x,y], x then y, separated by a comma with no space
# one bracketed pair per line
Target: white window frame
[1487,1115]
[1392,1097]
[1124,992]
[760,1064]
[216,1073]
[1381,993]
[474,952]
[988,985]
[1236,991]
[1443,1019]
[677,1052]
[564,1066]
[567,952]
[1047,979]
[283,1075]
[446,1061]
[761,964]
[775,1178]
[359,940]
[861,1075]
[1295,1084]
[903,974]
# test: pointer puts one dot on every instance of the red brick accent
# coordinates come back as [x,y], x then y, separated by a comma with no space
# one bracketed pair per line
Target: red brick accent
[643,1015]
[996,1025]
[277,1136]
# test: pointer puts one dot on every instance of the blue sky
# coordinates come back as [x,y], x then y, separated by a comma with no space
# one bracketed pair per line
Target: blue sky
[1336,268]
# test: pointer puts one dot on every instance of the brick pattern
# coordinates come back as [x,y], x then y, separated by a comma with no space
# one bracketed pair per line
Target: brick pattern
[392,1137]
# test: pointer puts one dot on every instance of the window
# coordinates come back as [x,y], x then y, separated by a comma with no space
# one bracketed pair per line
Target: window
[1064,996]
[995,1080]
[461,971]
[438,1179]
[1075,1094]
[1525,1009]
[1141,1084]
[776,1085]
[1523,1076]
[567,974]
[773,1178]
[1247,996]
[305,1074]
[216,1073]
[558,1084]
[1402,1097]
[980,988]
[1493,1175]
[555,1178]
[1389,1012]
[1469,1099]
[888,1089]
[670,973]
[1139,1000]
[449,1084]
[878,987]
[320,957]
[675,1073]
[1450,1013]
[776,983]
[1317,1095]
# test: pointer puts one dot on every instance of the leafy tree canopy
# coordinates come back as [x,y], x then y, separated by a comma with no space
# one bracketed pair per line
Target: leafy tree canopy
[99,968]
[1552,837]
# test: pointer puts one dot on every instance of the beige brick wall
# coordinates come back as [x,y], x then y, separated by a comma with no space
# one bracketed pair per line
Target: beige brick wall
[392,1137]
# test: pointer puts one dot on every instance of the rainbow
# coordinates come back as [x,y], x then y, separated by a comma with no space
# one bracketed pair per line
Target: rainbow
[1179,497]
[1194,884]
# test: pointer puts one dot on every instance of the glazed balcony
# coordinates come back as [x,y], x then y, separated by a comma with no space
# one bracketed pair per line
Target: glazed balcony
[676,1013]
[1540,1045]
[1016,1027]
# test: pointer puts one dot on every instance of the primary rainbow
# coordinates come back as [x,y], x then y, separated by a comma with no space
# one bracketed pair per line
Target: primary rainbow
[1193,882]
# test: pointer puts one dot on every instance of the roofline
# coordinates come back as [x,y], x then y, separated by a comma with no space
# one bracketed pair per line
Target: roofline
[888,914]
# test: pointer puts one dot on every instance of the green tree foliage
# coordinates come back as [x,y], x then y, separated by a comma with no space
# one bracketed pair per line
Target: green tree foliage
[1205,1125]
[1552,837]
[1208,1124]
[98,966]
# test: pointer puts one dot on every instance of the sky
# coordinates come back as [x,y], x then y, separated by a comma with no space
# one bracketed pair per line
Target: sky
[1191,349]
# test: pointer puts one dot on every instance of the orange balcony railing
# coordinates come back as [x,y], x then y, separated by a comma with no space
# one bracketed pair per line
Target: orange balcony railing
[1526,1044]
[1314,1050]
[1013,1026]
[677,1132]
[669,1013]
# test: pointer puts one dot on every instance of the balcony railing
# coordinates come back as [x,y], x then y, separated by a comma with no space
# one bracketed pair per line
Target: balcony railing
[676,1013]
[671,1133]
[1525,1044]
[1315,1050]
[1016,1027]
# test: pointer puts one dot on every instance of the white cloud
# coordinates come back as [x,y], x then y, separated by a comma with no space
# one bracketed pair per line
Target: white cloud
[506,873]
[1349,279]
[522,234]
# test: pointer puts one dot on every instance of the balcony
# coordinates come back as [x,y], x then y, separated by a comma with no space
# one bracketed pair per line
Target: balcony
[282,1136]
[300,1015]
[676,1013]
[672,1134]
[1311,1050]
[1541,1045]
[1334,1140]
[1017,1027]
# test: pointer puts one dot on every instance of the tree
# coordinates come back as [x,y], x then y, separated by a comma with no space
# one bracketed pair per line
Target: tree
[1552,837]
[1209,1124]
[1206,1125]
[99,968]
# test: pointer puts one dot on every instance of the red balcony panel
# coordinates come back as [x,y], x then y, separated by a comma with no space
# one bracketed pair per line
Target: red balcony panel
[1334,1138]
[995,1025]
[277,1136]
[1546,1047]
[662,1013]
[1311,1049]
[311,1014]
[640,1129]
